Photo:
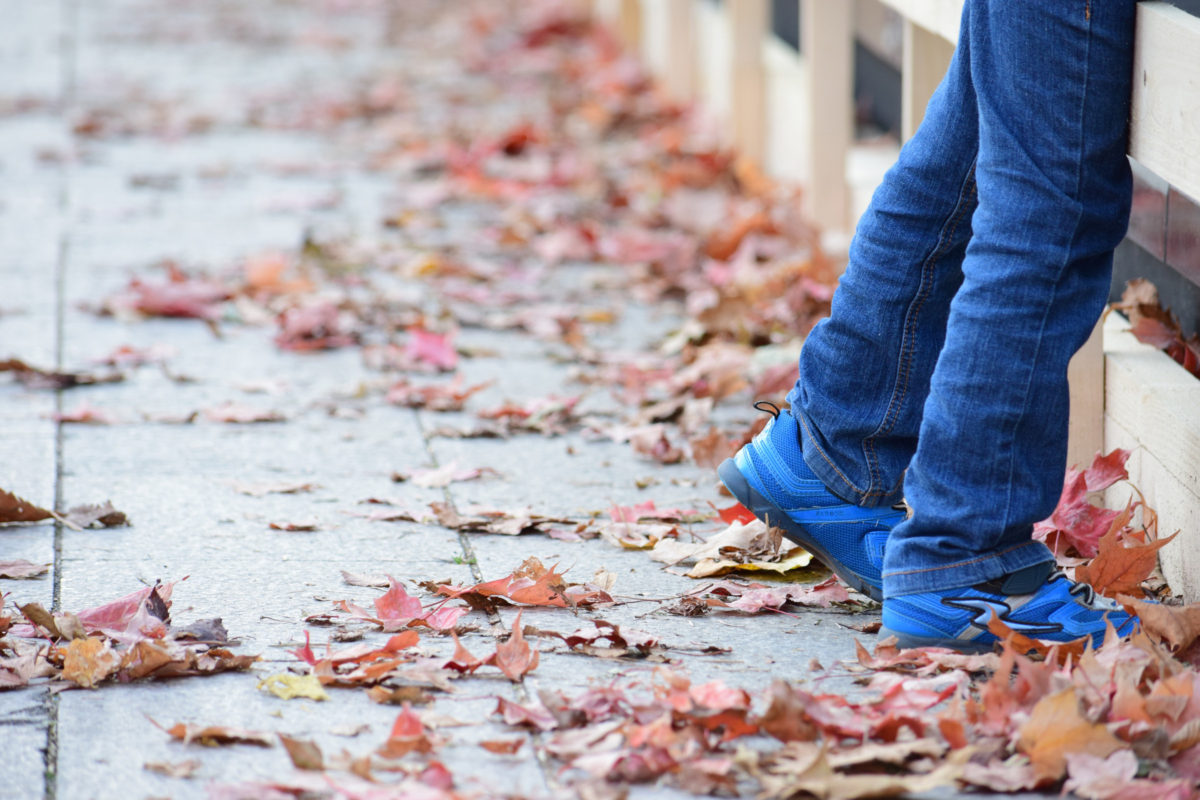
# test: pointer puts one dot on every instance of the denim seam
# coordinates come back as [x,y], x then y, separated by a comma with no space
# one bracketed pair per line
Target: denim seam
[1067,259]
[908,343]
[813,446]
[960,564]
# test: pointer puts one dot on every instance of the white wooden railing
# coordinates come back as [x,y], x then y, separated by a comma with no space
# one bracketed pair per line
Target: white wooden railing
[793,115]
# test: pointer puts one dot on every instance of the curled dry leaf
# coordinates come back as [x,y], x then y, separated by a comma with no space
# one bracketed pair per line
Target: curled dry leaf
[85,414]
[1121,563]
[101,515]
[515,657]
[305,754]
[439,477]
[408,735]
[318,326]
[17,509]
[238,414]
[211,735]
[1056,729]
[20,568]
[1177,626]
[37,378]
[87,662]
[179,769]
[433,397]
[281,487]
[307,526]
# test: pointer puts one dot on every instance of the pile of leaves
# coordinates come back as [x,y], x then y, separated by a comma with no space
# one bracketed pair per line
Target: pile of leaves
[1117,722]
[128,639]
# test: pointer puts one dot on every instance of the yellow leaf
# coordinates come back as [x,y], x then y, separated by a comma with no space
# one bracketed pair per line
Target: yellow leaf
[289,686]
[797,559]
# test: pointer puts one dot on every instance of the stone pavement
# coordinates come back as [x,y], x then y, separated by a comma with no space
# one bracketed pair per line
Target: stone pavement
[211,133]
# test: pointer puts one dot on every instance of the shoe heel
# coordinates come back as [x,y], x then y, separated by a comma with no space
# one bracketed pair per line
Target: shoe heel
[774,516]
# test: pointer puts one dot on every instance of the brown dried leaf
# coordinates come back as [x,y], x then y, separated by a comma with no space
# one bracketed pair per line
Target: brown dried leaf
[515,657]
[105,514]
[211,735]
[1120,565]
[181,769]
[87,662]
[304,754]
[1177,626]
[20,568]
[1056,729]
[399,696]
[16,509]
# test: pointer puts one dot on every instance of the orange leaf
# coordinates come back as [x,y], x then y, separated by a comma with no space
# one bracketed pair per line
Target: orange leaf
[1057,652]
[516,658]
[1056,729]
[1120,568]
[88,661]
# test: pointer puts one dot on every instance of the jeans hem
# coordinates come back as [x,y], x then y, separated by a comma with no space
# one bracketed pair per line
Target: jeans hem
[834,479]
[960,574]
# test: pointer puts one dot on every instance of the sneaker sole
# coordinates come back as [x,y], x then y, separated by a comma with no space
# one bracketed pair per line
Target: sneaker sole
[774,516]
[906,641]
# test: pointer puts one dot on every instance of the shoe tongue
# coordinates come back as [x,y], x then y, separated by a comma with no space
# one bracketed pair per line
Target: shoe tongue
[1024,581]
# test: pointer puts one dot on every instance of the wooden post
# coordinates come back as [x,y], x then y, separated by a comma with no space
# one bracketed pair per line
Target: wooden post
[680,78]
[1085,436]
[748,28]
[926,59]
[827,32]
[629,24]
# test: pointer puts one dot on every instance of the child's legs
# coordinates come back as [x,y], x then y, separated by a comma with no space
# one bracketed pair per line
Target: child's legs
[1053,86]
[864,371]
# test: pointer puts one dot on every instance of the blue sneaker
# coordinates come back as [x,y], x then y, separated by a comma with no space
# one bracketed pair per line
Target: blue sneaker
[769,477]
[1035,601]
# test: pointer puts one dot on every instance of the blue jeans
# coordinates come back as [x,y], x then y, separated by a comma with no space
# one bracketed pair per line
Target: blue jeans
[979,269]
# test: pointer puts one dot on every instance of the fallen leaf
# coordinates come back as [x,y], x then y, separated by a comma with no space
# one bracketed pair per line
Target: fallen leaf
[506,747]
[237,414]
[370,581]
[211,735]
[87,662]
[432,349]
[304,754]
[318,326]
[1076,522]
[433,397]
[1178,626]
[37,378]
[515,657]
[443,476]
[287,685]
[404,694]
[102,515]
[85,414]
[20,568]
[1120,564]
[1056,729]
[281,487]
[180,769]
[296,527]
[16,509]
[408,735]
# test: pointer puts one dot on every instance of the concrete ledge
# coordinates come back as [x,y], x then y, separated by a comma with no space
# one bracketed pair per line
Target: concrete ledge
[1152,409]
